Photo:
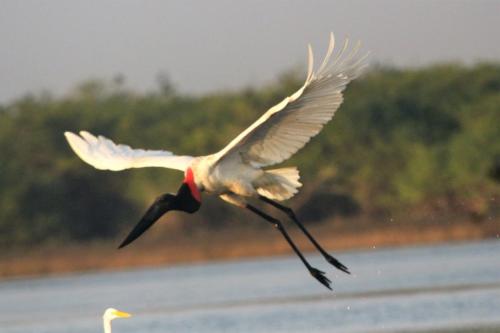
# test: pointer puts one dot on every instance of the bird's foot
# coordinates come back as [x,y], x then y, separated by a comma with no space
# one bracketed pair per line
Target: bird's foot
[336,263]
[320,276]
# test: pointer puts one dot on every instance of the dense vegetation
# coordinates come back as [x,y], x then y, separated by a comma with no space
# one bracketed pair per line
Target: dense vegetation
[404,140]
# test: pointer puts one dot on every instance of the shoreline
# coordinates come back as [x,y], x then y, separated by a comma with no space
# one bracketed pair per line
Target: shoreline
[166,249]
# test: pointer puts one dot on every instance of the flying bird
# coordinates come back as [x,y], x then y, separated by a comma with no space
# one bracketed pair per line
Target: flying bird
[111,314]
[240,171]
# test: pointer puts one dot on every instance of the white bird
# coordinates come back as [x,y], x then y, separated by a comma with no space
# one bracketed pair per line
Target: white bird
[237,172]
[111,314]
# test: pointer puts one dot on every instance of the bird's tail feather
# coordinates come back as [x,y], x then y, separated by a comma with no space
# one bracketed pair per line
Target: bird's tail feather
[279,184]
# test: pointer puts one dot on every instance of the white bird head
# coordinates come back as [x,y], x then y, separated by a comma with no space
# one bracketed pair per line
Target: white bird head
[112,313]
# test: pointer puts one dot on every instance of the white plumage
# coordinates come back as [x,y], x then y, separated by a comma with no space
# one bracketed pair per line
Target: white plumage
[288,126]
[236,170]
[104,154]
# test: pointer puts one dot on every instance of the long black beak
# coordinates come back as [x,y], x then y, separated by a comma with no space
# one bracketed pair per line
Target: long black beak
[162,204]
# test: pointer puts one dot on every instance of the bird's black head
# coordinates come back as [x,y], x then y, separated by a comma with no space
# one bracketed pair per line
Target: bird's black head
[187,199]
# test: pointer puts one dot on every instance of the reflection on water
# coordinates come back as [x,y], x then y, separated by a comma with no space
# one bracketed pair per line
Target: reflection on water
[394,289]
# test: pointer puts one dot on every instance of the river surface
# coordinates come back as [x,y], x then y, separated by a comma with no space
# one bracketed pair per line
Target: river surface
[390,290]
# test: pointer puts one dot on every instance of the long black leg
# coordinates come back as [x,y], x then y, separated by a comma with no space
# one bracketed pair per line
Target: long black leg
[319,275]
[288,211]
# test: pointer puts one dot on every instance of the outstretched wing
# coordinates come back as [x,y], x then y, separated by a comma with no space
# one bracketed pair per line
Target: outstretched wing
[104,154]
[288,126]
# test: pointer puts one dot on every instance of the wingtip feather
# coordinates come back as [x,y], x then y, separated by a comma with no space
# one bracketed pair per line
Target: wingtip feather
[75,142]
[329,51]
[88,136]
[310,62]
[68,135]
[79,146]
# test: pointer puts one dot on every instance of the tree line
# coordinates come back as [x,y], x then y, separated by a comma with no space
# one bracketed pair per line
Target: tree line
[403,140]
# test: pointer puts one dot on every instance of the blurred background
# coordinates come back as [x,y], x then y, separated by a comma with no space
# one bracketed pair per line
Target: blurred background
[412,159]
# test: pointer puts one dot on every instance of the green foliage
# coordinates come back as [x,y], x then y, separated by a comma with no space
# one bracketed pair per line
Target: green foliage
[401,139]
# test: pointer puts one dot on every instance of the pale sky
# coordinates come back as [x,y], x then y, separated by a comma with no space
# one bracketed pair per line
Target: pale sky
[205,46]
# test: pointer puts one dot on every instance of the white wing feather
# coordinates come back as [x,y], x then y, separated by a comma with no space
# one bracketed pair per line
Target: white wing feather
[104,154]
[288,126]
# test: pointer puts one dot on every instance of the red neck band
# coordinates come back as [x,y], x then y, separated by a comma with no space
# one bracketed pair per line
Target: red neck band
[189,180]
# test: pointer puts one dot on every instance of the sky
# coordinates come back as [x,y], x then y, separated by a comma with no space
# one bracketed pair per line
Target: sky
[208,46]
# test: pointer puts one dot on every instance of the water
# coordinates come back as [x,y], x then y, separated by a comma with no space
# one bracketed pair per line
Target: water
[390,290]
